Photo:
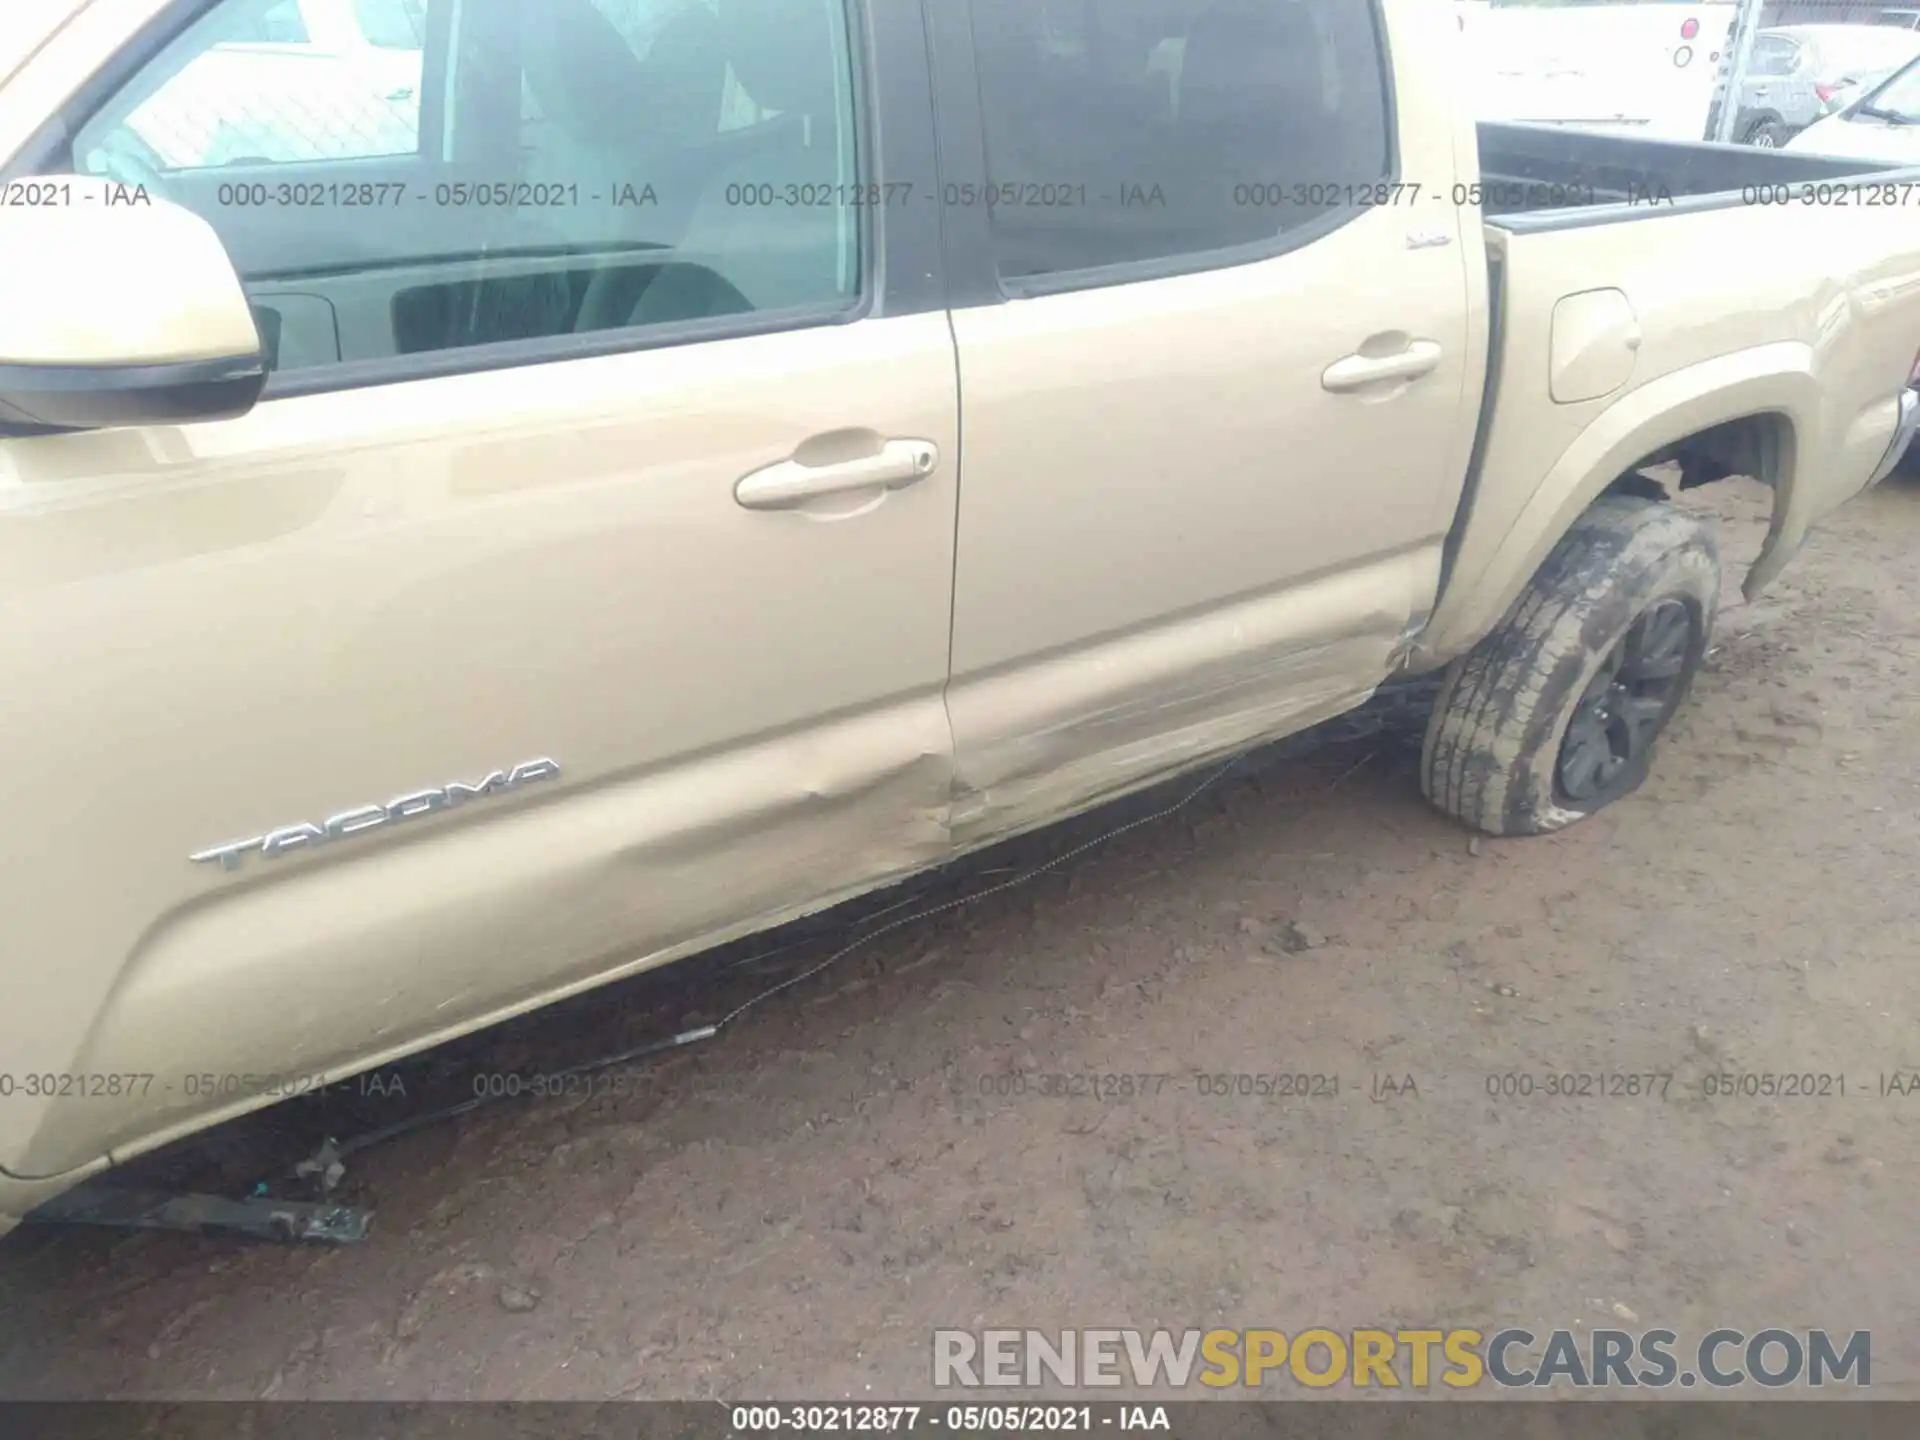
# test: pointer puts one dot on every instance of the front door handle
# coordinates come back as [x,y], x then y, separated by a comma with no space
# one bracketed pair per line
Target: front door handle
[1355,372]
[792,482]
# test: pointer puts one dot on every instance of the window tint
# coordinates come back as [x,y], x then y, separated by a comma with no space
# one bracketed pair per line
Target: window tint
[639,22]
[600,164]
[1134,130]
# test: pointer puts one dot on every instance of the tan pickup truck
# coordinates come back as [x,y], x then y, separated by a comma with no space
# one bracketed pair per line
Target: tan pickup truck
[744,453]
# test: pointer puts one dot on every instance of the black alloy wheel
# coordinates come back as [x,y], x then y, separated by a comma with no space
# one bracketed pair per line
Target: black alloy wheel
[1627,703]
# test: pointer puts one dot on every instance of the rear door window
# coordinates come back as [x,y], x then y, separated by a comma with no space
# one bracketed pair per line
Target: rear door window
[1135,130]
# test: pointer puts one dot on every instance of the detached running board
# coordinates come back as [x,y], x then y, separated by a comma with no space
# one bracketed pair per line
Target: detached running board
[258,1217]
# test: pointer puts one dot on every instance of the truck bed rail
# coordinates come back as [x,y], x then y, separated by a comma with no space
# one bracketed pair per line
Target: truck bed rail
[1550,177]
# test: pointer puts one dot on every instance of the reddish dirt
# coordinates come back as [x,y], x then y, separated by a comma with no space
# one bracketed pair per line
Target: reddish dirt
[791,1209]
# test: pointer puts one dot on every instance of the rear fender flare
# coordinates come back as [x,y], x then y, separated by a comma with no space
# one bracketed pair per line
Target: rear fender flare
[1777,379]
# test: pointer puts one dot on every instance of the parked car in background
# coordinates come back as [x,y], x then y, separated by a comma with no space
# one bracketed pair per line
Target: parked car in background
[1799,74]
[1778,99]
[1883,123]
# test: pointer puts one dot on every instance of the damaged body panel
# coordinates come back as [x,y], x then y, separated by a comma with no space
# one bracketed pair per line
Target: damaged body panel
[1745,364]
[745,708]
[1061,732]
[1203,509]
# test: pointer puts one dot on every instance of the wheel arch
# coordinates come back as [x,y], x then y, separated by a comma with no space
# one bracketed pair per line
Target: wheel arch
[1756,412]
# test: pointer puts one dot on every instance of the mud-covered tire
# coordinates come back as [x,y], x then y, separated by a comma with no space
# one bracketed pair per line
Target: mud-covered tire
[1494,746]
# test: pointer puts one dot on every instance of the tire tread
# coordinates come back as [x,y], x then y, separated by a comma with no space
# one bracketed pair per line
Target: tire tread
[1488,696]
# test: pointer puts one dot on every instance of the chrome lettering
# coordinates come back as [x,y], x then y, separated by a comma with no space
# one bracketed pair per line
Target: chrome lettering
[421,802]
[352,822]
[456,792]
[363,818]
[278,842]
[228,855]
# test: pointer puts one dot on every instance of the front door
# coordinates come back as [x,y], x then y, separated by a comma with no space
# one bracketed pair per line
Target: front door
[595,607]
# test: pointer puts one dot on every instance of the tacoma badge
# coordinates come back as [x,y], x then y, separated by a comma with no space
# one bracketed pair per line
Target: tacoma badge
[370,817]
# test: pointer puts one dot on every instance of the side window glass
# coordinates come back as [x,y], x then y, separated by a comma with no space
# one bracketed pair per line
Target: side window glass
[1138,130]
[1773,56]
[711,145]
[393,24]
[637,22]
[248,84]
[278,24]
[592,165]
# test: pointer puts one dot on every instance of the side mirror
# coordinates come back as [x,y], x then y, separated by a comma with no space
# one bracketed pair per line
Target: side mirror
[117,308]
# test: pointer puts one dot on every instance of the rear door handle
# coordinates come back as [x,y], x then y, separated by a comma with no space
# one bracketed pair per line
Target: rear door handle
[1355,372]
[790,482]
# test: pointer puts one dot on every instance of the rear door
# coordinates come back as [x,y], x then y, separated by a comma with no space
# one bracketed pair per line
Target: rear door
[1217,334]
[597,608]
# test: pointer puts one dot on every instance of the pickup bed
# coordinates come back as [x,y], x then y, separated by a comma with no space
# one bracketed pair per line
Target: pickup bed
[1549,171]
[728,468]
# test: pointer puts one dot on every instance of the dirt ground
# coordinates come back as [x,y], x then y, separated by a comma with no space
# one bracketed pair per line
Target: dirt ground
[790,1209]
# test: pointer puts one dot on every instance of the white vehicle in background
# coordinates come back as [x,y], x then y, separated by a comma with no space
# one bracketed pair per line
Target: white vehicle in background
[1882,124]
[286,81]
[1647,67]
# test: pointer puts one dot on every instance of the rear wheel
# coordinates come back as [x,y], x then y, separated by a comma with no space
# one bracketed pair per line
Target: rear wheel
[1766,134]
[1556,714]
